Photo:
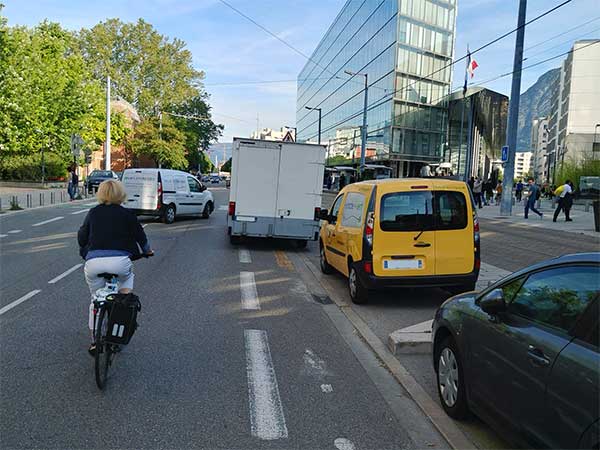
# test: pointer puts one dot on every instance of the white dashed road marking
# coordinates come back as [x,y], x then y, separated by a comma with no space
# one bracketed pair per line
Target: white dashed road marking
[344,444]
[80,212]
[223,208]
[14,231]
[326,388]
[3,235]
[90,204]
[245,256]
[19,301]
[64,274]
[47,221]
[267,420]
[248,289]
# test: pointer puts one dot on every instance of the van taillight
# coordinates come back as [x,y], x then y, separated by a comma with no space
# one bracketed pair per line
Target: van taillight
[231,210]
[159,193]
[369,227]
[317,213]
[476,228]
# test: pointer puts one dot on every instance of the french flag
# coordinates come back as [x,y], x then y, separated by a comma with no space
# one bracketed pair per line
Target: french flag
[470,70]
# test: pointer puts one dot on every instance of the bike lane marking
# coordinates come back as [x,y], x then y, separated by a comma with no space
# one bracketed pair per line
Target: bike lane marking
[65,273]
[79,212]
[47,221]
[248,289]
[14,231]
[3,235]
[244,256]
[19,301]
[267,420]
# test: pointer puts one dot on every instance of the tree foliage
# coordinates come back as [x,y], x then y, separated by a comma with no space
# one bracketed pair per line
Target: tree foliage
[165,148]
[227,166]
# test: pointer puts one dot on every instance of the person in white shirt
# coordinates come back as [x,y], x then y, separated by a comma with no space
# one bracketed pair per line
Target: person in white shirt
[565,201]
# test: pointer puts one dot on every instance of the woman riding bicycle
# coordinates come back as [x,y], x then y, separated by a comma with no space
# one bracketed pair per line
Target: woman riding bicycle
[108,241]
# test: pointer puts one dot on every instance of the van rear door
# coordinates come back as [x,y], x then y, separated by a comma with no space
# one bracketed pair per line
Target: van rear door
[142,189]
[404,241]
[454,236]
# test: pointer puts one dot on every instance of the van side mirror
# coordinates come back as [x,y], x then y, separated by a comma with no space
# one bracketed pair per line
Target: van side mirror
[493,302]
[202,188]
[324,214]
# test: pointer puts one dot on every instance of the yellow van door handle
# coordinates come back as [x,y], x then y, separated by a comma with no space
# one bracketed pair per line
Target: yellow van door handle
[422,244]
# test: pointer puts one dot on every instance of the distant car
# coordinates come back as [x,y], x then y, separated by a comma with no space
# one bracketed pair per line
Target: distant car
[215,180]
[524,354]
[205,178]
[98,176]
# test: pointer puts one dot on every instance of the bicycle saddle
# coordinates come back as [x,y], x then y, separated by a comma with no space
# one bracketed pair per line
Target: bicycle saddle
[107,276]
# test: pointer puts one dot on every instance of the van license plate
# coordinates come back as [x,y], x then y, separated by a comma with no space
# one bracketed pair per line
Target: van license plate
[402,264]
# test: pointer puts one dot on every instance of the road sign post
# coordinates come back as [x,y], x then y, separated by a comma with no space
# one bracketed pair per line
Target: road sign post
[504,153]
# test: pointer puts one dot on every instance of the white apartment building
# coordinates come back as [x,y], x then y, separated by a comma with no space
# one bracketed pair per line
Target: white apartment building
[522,165]
[539,144]
[575,112]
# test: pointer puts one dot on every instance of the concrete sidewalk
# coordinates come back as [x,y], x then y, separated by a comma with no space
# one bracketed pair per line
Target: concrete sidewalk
[583,222]
[27,197]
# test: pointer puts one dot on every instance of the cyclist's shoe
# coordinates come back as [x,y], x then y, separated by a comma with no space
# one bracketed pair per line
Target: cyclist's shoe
[92,350]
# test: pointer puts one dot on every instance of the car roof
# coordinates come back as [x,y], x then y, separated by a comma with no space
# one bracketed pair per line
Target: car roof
[590,257]
[404,183]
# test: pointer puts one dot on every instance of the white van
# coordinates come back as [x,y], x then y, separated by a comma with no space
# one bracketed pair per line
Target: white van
[166,193]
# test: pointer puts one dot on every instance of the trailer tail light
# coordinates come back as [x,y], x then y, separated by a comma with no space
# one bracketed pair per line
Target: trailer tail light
[317,213]
[231,210]
[369,228]
[159,193]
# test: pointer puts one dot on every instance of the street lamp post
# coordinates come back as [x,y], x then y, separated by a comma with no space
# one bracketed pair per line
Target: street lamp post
[317,109]
[595,145]
[363,144]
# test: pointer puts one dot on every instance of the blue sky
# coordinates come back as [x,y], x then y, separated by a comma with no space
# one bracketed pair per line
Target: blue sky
[230,49]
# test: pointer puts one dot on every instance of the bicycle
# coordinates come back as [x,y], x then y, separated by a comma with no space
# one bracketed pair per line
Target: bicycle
[105,349]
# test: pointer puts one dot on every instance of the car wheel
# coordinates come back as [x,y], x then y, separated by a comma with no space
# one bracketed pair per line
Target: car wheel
[359,294]
[168,216]
[207,210]
[450,379]
[326,268]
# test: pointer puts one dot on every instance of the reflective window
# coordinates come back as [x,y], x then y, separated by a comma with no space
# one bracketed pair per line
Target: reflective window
[353,210]
[557,297]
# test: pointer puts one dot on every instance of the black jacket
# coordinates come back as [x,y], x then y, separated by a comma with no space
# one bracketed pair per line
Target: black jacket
[111,227]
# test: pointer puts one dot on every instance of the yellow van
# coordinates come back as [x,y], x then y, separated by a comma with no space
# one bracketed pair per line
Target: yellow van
[414,232]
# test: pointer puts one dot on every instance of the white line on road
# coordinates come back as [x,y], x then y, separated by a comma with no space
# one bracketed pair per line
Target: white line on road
[3,235]
[326,388]
[267,421]
[248,288]
[64,274]
[90,204]
[47,221]
[80,212]
[223,208]
[19,301]
[344,444]
[14,231]
[145,225]
[245,256]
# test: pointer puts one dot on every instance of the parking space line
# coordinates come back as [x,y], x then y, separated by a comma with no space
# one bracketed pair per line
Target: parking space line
[244,256]
[248,291]
[14,231]
[3,235]
[19,301]
[267,420]
[79,212]
[47,221]
[65,273]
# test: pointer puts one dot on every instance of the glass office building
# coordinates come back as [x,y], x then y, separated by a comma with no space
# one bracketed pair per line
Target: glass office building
[404,47]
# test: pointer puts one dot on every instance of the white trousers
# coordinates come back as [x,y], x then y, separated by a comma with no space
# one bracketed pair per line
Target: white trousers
[119,265]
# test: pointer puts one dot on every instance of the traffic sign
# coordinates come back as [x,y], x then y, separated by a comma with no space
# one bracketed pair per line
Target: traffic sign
[505,153]
[288,137]
[76,144]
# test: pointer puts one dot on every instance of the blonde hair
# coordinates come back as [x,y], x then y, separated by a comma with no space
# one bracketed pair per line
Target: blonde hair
[111,192]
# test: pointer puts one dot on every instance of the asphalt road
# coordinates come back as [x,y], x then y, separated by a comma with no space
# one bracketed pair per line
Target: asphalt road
[202,371]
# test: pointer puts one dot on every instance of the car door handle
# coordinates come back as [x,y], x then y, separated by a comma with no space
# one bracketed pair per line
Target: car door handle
[422,244]
[536,356]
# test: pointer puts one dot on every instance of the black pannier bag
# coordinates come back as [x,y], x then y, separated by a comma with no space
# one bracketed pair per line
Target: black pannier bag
[122,317]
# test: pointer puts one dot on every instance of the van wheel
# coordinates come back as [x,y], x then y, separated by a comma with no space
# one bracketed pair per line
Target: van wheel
[235,240]
[359,294]
[450,379]
[168,216]
[208,208]
[301,243]
[325,266]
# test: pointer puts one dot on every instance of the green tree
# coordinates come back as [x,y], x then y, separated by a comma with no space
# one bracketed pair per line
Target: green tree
[149,71]
[227,166]
[166,147]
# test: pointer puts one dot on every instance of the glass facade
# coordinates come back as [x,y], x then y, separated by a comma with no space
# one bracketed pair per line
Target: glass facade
[404,46]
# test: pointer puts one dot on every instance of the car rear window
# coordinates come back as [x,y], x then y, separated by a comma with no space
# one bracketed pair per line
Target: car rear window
[101,173]
[423,210]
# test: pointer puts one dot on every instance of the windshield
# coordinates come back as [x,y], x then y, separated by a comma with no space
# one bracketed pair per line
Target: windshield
[101,173]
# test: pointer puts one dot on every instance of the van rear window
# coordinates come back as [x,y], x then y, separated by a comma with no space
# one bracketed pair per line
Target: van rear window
[424,210]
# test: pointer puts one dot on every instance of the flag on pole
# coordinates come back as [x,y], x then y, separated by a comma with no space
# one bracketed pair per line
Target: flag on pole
[470,70]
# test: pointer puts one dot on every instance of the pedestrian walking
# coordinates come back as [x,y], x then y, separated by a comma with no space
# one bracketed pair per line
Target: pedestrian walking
[488,188]
[534,195]
[342,181]
[498,193]
[478,191]
[471,183]
[329,182]
[352,179]
[70,179]
[74,184]
[519,191]
[565,201]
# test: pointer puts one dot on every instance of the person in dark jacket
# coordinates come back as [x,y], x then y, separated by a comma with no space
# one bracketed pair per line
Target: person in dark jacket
[342,181]
[109,239]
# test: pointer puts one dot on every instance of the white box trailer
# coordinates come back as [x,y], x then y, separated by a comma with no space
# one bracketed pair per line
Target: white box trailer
[276,190]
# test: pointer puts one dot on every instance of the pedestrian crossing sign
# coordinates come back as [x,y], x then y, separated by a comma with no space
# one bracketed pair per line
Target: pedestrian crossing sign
[504,153]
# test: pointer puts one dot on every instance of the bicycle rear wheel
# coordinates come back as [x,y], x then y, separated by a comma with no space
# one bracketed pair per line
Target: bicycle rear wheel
[103,349]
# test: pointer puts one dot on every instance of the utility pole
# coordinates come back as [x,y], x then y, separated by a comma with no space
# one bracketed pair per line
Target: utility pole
[363,144]
[513,114]
[107,143]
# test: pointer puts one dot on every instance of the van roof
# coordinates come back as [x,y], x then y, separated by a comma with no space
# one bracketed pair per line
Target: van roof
[154,169]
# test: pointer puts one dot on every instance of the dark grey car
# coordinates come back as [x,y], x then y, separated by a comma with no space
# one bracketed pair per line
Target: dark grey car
[524,354]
